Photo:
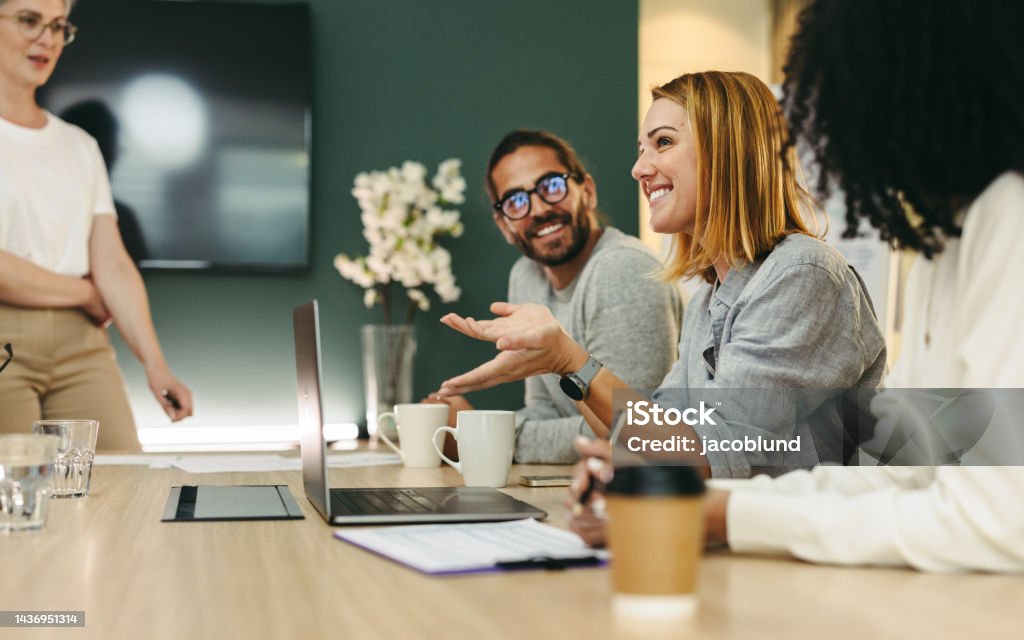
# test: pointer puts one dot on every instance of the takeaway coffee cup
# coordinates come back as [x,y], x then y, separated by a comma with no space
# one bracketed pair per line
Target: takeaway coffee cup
[416,426]
[485,441]
[656,534]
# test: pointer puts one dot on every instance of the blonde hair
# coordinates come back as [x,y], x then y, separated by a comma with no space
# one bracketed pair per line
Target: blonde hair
[748,194]
[68,4]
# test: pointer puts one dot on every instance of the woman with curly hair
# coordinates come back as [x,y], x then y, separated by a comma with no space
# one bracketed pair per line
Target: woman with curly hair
[917,113]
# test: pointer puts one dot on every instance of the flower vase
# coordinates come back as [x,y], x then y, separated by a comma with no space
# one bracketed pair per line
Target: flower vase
[388,352]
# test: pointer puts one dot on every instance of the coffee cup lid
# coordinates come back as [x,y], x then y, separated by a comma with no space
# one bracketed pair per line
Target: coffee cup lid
[656,480]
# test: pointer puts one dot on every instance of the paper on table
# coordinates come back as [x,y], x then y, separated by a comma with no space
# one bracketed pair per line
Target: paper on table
[234,463]
[222,464]
[153,462]
[362,459]
[463,548]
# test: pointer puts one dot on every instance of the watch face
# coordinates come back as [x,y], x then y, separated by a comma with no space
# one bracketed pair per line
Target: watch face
[571,387]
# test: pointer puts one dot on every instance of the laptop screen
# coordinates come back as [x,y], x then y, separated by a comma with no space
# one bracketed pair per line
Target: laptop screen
[306,319]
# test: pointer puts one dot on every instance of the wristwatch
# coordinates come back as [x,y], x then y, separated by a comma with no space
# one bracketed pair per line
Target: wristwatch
[577,385]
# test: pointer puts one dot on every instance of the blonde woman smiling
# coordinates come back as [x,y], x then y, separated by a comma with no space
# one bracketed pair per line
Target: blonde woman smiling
[777,309]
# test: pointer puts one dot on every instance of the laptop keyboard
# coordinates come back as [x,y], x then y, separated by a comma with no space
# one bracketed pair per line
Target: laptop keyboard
[372,501]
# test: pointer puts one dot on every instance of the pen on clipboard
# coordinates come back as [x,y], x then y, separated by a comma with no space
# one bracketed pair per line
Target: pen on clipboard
[550,564]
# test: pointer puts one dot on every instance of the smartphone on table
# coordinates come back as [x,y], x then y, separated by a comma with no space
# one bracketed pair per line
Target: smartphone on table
[545,481]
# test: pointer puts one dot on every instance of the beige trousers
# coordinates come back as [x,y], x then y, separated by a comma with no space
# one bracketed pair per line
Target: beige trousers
[63,367]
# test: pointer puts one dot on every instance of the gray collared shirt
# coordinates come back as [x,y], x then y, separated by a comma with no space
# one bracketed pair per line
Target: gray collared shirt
[800,320]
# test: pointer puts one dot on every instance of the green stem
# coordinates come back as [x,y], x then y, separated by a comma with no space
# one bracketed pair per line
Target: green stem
[384,293]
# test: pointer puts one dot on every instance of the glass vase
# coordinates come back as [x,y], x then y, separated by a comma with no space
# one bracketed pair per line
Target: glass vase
[388,353]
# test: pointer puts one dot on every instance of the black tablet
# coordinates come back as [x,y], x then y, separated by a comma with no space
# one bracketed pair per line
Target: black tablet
[192,503]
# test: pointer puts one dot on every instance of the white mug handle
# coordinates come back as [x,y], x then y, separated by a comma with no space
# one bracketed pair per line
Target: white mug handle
[383,436]
[455,434]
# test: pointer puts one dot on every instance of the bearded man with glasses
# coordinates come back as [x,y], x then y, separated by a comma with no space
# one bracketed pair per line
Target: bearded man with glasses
[64,272]
[597,281]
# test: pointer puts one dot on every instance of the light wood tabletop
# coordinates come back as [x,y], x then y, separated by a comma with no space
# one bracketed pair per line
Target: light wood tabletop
[136,577]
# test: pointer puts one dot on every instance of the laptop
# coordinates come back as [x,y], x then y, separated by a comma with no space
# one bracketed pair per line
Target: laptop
[383,505]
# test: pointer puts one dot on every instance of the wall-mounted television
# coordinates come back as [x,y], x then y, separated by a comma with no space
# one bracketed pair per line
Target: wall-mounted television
[203,112]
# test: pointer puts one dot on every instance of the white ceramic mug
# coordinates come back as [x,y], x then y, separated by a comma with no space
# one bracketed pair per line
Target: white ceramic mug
[486,440]
[416,426]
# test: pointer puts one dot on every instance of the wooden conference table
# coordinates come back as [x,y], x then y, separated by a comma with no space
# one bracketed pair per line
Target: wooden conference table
[135,577]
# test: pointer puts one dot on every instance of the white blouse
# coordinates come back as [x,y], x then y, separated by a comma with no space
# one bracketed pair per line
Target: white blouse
[52,182]
[962,329]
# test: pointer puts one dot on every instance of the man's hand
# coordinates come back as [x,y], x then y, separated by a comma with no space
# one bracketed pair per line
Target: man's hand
[531,340]
[455,405]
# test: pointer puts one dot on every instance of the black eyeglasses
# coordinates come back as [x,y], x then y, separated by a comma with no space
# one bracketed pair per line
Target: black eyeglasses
[10,356]
[31,26]
[552,188]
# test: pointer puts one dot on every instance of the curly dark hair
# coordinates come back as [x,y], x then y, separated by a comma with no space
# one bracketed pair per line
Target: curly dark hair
[913,102]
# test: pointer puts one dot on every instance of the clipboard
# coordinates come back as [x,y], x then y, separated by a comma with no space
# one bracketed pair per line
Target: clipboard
[452,549]
[202,503]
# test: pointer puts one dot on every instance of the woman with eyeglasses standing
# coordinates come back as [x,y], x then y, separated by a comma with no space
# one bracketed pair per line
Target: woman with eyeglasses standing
[64,272]
[778,310]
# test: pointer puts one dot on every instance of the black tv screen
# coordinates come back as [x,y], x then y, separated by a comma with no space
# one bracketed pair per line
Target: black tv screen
[202,111]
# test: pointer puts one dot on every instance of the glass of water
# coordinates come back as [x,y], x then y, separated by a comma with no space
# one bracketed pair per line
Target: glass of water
[26,474]
[72,468]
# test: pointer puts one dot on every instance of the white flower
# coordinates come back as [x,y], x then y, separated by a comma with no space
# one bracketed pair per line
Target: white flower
[450,168]
[447,291]
[370,298]
[393,218]
[435,219]
[405,269]
[452,192]
[440,258]
[354,270]
[449,184]
[426,199]
[379,267]
[420,229]
[413,172]
[419,298]
[403,217]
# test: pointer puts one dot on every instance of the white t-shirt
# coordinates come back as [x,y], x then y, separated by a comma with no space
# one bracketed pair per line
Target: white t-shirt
[52,182]
[962,330]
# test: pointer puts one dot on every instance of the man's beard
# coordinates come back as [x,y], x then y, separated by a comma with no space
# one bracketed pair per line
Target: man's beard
[580,234]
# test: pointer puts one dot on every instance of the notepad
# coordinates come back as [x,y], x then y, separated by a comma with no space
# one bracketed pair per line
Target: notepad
[445,549]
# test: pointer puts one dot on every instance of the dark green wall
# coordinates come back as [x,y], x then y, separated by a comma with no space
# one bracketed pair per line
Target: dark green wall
[397,80]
